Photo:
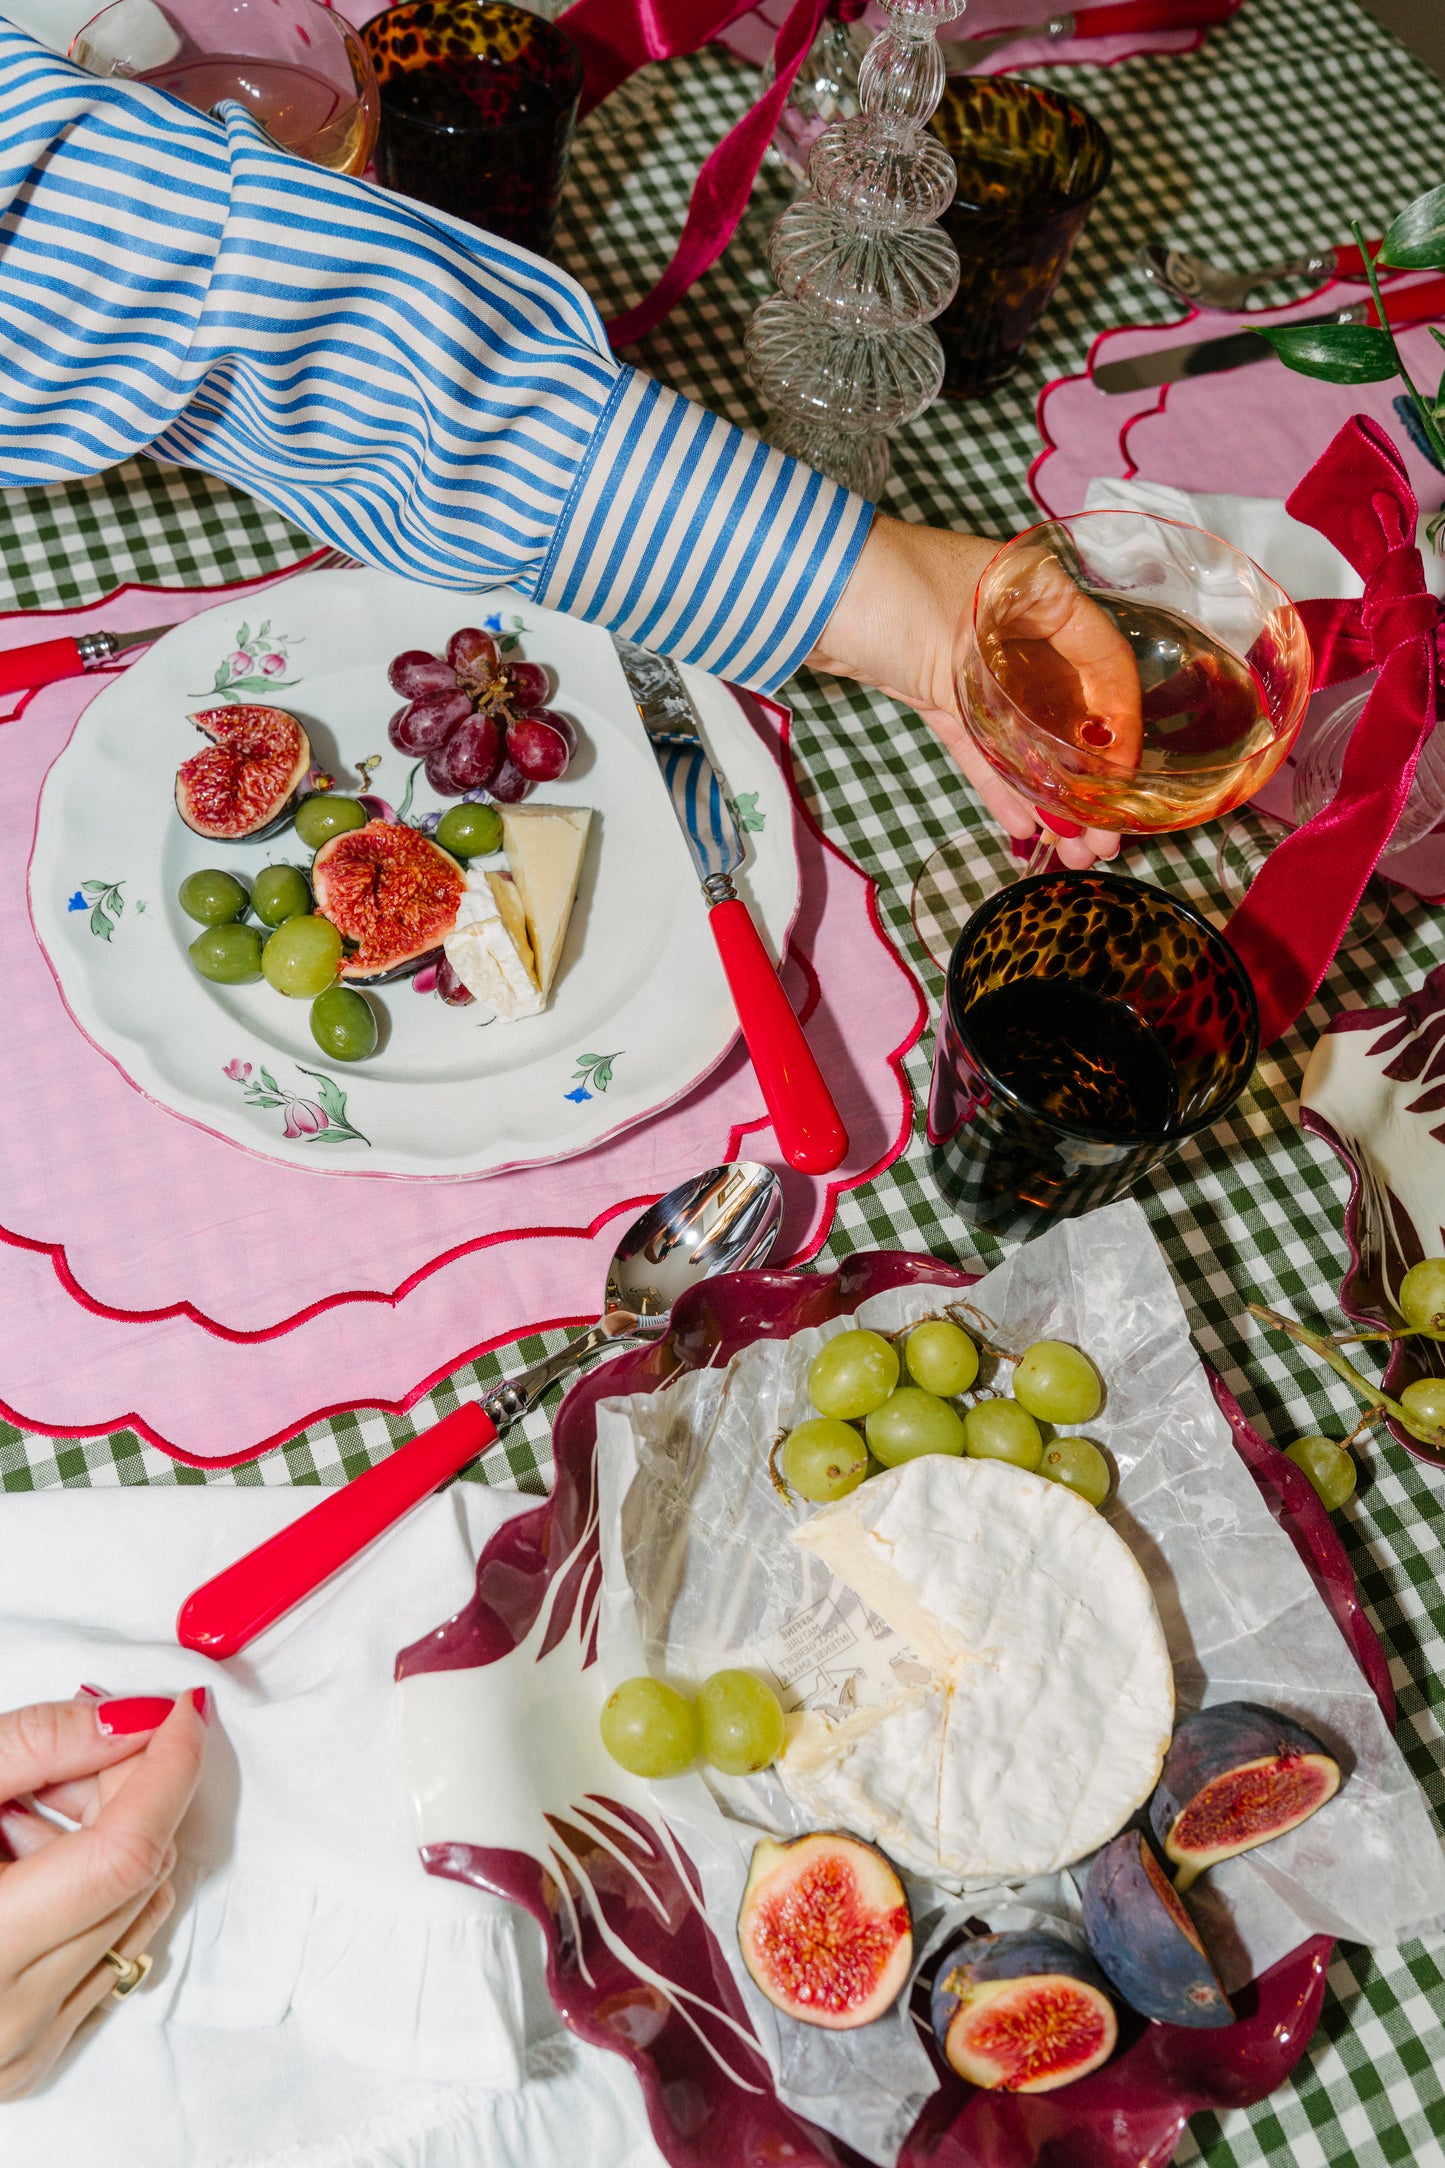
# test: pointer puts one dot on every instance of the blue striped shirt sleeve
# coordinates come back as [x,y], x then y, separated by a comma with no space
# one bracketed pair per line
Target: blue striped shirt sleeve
[427,397]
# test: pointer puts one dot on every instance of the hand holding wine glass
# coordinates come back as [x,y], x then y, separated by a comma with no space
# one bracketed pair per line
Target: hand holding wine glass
[894,628]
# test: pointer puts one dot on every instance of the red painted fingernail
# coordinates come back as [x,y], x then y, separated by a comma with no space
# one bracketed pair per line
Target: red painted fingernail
[96,1693]
[201,1703]
[141,1712]
[16,1806]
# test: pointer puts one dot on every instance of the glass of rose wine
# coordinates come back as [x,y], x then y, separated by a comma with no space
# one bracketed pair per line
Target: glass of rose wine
[1122,672]
[296,65]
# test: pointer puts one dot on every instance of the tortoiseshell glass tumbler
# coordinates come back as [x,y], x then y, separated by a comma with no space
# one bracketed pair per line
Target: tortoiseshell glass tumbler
[1030,166]
[478,104]
[1090,1023]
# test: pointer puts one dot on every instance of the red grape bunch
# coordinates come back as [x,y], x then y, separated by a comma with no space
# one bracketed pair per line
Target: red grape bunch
[480,722]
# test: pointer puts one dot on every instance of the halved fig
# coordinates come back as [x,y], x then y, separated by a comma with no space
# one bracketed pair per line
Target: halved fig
[1022,2012]
[825,1929]
[1144,1939]
[393,893]
[247,780]
[1235,1776]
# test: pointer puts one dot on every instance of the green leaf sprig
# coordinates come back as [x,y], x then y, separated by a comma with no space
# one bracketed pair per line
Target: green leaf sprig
[1363,353]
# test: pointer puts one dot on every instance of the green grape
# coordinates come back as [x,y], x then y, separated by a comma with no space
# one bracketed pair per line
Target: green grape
[740,1722]
[1422,1294]
[343,1024]
[910,1423]
[470,831]
[279,893]
[1329,1467]
[324,815]
[301,957]
[1424,1399]
[212,897]
[852,1375]
[1057,1383]
[650,1728]
[1002,1430]
[1079,1466]
[230,955]
[824,1459]
[941,1357]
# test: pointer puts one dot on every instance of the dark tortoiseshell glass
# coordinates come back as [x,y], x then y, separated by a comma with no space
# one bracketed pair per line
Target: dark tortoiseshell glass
[478,103]
[1009,1165]
[1030,166]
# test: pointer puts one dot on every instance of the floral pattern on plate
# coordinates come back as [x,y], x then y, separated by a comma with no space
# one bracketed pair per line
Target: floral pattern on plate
[254,668]
[320,1119]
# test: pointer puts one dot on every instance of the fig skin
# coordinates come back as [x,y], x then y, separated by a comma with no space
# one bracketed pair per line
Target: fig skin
[1136,1926]
[985,1980]
[1235,1776]
[216,793]
[833,1888]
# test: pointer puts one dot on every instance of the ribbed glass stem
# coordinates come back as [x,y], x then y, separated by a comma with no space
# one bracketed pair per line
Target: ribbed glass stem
[844,352]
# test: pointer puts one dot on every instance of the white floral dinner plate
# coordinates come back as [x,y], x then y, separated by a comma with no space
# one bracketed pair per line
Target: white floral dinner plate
[640,1011]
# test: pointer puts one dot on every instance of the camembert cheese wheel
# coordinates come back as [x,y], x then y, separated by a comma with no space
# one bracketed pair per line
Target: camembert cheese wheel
[1050,1697]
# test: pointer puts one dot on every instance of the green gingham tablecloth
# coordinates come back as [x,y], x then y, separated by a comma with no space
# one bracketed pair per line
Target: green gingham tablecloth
[1290,120]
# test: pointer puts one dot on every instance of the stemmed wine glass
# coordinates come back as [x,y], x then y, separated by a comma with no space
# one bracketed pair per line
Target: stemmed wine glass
[297,65]
[1120,671]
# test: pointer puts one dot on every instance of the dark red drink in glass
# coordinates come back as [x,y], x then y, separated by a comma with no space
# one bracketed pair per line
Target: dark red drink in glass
[478,103]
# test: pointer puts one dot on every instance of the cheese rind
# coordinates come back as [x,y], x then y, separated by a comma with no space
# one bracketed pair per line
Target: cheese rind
[545,846]
[1054,1695]
[488,947]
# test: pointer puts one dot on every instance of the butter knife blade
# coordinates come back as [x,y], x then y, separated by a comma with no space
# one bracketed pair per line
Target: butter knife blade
[1203,357]
[699,795]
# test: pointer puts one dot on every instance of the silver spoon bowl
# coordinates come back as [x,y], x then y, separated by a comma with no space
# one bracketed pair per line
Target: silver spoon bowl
[720,1221]
[1209,286]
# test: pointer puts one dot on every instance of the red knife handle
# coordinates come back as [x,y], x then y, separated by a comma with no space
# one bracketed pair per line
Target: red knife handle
[805,1121]
[42,662]
[1125,18]
[1350,261]
[226,1613]
[1415,305]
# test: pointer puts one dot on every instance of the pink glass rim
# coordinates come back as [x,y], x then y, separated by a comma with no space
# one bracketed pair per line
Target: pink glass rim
[1287,728]
[346,31]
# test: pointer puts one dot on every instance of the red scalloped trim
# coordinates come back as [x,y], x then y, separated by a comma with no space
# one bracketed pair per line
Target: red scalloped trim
[132,1420]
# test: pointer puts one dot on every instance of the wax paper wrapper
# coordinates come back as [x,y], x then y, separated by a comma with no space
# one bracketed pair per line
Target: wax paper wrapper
[699,1573]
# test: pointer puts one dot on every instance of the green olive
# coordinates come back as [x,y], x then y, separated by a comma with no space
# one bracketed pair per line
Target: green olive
[279,893]
[229,955]
[324,815]
[212,897]
[343,1024]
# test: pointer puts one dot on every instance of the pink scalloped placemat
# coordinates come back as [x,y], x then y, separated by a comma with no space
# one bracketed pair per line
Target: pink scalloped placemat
[159,1278]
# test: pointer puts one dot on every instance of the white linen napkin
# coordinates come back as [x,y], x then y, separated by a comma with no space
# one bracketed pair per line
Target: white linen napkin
[317,1999]
[1304,563]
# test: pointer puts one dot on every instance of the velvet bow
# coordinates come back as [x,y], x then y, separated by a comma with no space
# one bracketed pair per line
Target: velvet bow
[615,37]
[1290,925]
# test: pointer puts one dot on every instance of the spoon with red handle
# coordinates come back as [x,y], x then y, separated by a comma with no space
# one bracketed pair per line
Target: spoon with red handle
[719,1221]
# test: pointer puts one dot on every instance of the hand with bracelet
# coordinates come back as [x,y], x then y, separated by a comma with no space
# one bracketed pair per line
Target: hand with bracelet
[79,1906]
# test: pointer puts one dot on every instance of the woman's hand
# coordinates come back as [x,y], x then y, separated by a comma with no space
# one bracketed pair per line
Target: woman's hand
[894,628]
[68,1895]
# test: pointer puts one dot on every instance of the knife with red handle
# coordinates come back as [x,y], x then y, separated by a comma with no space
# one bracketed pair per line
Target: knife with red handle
[45,662]
[1236,349]
[807,1125]
[1121,18]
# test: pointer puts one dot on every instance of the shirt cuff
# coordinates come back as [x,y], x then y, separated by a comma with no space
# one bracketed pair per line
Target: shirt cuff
[691,538]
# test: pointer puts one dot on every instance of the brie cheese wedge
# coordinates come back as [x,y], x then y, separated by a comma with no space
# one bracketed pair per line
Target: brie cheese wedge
[545,846]
[1052,1694]
[489,948]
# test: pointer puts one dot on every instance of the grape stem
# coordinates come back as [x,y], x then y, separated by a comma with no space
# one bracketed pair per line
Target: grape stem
[780,1481]
[1321,1345]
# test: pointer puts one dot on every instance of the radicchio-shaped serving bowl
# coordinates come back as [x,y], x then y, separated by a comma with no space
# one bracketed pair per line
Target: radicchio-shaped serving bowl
[514,1793]
[1374,1091]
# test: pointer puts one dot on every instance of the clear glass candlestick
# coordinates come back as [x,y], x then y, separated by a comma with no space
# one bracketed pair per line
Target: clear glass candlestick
[845,351]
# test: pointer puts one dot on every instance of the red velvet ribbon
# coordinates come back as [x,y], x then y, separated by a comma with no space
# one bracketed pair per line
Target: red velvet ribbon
[617,36]
[1289,926]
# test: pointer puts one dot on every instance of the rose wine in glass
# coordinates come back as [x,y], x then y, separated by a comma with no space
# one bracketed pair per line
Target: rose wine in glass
[298,67]
[1122,672]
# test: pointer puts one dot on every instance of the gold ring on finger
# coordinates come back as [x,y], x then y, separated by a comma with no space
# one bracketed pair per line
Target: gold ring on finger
[129,1972]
